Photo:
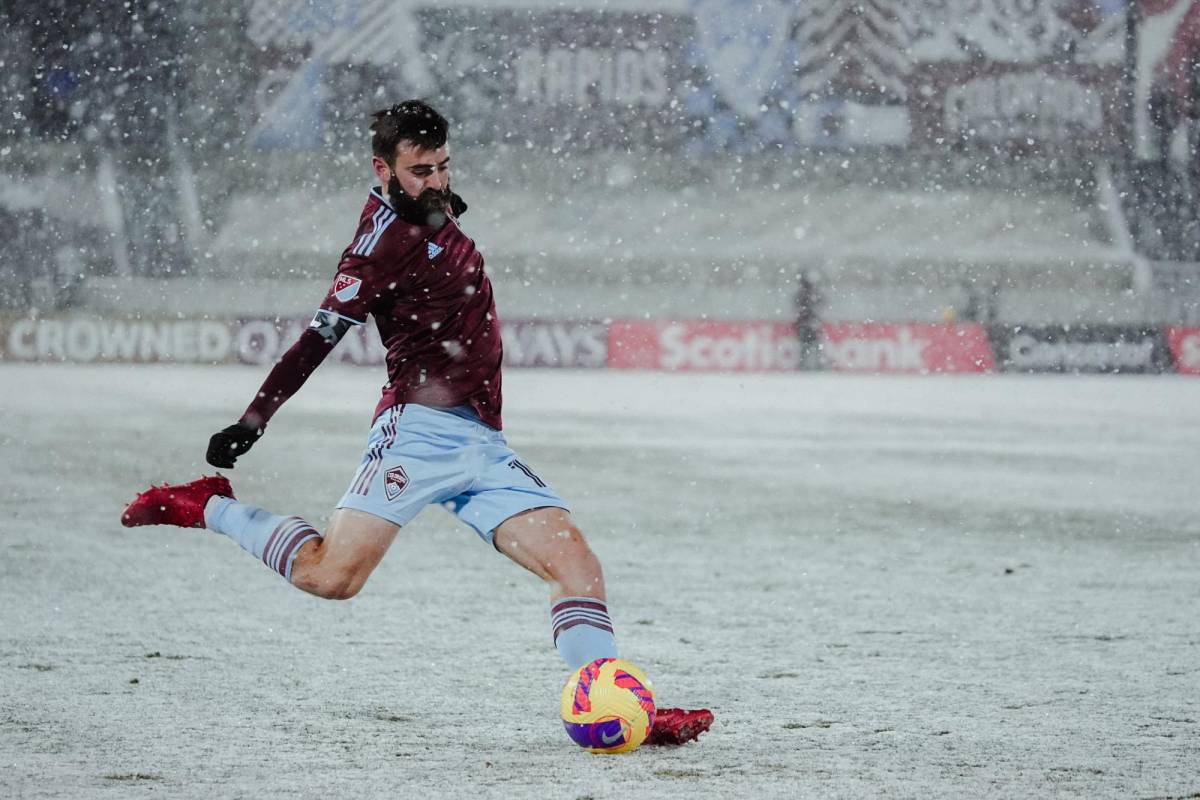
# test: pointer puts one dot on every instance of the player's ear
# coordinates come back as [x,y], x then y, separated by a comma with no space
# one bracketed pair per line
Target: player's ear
[382,169]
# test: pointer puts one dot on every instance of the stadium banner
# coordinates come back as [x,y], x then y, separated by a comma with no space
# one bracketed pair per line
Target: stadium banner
[1185,349]
[1081,348]
[699,75]
[554,343]
[95,339]
[501,72]
[688,346]
[91,340]
[1032,75]
[567,77]
[703,346]
[907,347]
[709,346]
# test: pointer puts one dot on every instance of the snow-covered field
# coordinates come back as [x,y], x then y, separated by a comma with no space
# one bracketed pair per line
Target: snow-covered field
[883,586]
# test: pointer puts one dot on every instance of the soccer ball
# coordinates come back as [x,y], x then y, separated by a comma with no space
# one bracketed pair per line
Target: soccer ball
[608,706]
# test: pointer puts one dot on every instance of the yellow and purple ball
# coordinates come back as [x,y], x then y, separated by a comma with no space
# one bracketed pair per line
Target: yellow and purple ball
[608,706]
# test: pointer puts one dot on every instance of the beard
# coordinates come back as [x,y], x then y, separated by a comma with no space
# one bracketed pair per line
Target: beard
[430,205]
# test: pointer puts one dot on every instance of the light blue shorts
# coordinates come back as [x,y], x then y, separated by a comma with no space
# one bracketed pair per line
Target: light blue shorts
[417,455]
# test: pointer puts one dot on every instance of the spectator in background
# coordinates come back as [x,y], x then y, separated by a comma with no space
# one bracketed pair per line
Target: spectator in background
[1193,123]
[43,267]
[1172,184]
[109,85]
[991,306]
[1173,97]
[972,307]
[10,281]
[980,304]
[808,302]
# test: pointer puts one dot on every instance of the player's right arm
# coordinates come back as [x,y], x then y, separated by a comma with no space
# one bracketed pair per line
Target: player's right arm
[346,305]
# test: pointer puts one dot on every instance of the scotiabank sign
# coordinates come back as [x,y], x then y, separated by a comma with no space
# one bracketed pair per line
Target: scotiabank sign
[703,346]
[772,346]
[1082,348]
[907,347]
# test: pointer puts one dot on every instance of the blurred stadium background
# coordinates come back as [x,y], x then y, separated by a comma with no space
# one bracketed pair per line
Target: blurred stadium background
[1017,165]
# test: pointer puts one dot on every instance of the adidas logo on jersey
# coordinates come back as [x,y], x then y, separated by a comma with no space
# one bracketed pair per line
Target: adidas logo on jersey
[433,250]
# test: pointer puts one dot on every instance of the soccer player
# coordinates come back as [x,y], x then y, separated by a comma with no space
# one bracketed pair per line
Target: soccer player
[437,434]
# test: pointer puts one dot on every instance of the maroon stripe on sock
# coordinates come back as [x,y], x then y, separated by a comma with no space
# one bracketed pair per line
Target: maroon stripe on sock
[306,535]
[592,616]
[284,540]
[278,537]
[285,555]
[572,623]
[596,605]
[287,565]
[271,540]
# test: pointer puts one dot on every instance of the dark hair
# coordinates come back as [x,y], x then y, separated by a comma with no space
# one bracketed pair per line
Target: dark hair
[411,121]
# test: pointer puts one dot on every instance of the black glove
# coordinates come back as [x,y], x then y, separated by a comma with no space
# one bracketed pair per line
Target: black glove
[226,445]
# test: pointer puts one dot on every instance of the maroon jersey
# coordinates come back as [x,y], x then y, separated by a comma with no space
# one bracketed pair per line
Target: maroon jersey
[432,303]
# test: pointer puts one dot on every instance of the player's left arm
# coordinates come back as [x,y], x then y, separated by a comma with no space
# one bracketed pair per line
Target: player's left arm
[284,380]
[291,371]
[345,306]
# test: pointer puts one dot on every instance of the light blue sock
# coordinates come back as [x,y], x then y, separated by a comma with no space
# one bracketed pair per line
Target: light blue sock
[583,630]
[274,539]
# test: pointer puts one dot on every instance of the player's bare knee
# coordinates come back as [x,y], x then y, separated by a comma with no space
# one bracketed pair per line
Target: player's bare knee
[345,591]
[338,586]
[339,583]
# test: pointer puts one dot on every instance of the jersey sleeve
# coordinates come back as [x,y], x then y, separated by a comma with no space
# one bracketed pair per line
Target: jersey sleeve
[286,377]
[357,289]
[347,303]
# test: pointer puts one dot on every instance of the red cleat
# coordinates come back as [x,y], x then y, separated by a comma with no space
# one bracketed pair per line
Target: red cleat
[677,726]
[182,504]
